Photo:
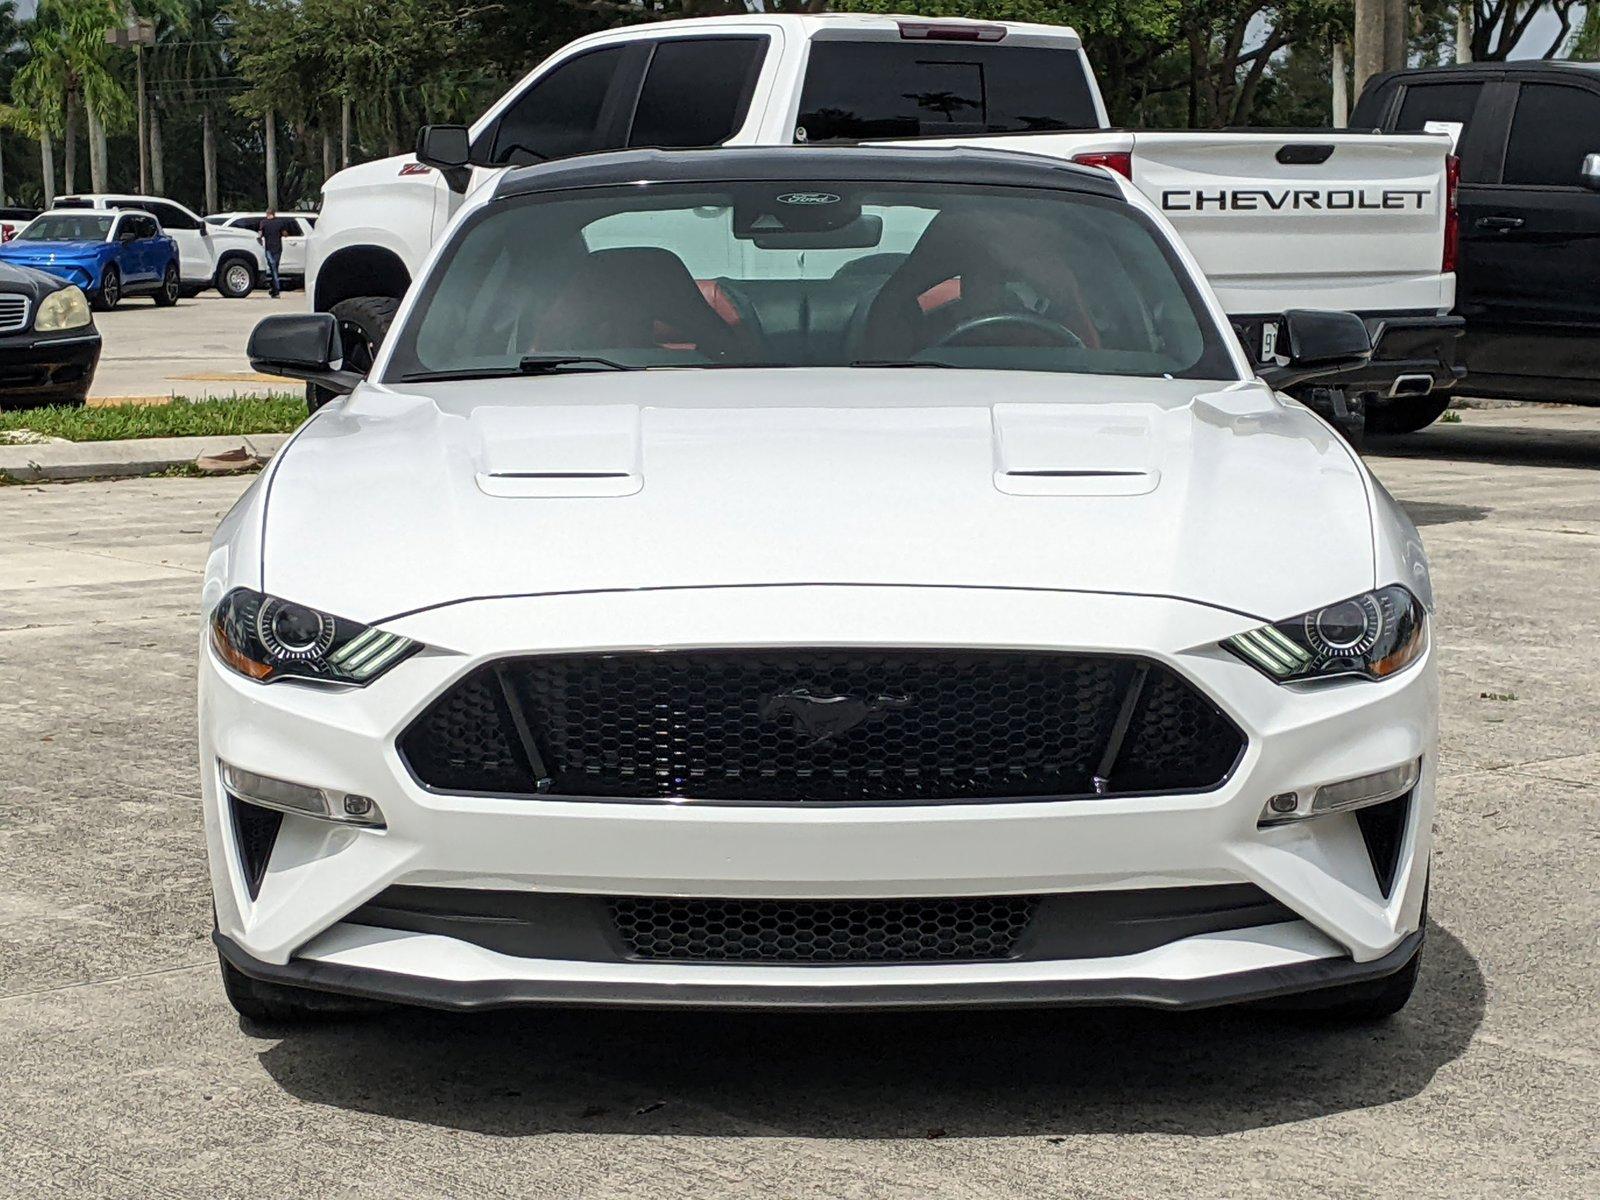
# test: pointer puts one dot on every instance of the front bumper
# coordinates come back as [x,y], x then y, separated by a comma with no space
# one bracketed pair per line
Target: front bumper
[40,368]
[294,928]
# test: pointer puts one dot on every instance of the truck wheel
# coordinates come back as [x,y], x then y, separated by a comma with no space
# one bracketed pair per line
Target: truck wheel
[236,277]
[110,293]
[363,324]
[166,295]
[1406,414]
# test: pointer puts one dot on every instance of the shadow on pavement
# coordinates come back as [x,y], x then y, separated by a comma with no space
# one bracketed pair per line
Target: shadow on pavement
[1042,1073]
[1549,442]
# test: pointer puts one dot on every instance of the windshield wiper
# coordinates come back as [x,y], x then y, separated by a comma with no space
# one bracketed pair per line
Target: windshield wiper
[898,362]
[545,364]
[532,364]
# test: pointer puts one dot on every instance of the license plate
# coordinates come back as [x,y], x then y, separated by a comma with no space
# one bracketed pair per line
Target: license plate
[1269,341]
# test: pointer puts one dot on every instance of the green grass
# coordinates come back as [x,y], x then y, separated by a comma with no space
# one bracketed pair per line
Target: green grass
[280,413]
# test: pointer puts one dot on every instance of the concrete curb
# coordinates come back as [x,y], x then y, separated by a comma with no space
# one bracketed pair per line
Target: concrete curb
[135,456]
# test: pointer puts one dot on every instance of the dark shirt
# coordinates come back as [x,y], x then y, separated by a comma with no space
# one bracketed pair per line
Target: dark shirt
[272,231]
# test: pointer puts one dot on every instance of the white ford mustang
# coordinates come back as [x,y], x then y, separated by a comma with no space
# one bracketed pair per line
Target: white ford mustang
[815,577]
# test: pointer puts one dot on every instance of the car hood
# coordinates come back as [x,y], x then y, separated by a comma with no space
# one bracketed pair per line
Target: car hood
[409,498]
[27,251]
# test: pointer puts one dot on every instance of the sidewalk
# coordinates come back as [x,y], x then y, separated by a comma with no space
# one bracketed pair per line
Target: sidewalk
[135,456]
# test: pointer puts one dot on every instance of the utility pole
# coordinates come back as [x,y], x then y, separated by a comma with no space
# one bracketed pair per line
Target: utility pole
[137,32]
[344,131]
[1341,87]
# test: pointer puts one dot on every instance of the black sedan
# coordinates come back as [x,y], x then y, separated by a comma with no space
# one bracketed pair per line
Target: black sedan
[48,343]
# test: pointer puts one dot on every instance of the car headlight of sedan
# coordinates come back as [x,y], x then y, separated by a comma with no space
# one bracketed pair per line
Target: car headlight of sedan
[267,639]
[1373,635]
[64,309]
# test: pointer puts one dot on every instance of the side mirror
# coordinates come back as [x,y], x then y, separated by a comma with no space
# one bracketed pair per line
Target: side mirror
[447,147]
[302,346]
[1589,173]
[1317,343]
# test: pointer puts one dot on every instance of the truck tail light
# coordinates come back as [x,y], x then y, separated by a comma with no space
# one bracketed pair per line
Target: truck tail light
[1452,212]
[1120,161]
[930,31]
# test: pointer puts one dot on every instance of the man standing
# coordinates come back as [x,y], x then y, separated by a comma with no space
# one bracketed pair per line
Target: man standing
[271,239]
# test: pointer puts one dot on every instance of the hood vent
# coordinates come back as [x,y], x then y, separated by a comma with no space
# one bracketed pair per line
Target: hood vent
[1073,450]
[557,451]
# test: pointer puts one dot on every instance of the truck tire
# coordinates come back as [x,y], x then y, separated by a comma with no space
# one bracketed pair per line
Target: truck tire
[1406,414]
[363,324]
[236,276]
[167,294]
[109,293]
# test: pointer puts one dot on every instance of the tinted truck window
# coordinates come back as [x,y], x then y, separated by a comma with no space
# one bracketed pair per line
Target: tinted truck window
[858,90]
[1426,102]
[697,91]
[1555,127]
[560,114]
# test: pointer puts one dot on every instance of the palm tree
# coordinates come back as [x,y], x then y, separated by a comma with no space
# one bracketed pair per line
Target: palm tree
[69,57]
[39,92]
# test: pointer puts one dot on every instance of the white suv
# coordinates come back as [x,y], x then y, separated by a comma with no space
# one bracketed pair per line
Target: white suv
[229,260]
[295,236]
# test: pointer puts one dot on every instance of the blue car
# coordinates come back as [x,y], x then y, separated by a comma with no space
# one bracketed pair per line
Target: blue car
[109,254]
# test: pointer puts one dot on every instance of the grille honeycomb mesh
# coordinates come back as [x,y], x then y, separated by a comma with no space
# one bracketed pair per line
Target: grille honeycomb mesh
[817,725]
[966,929]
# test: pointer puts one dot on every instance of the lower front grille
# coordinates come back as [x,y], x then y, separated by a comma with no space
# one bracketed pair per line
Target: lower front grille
[813,726]
[557,926]
[973,929]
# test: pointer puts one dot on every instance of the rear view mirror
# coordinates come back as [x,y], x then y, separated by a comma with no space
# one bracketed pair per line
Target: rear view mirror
[1589,173]
[302,346]
[1316,343]
[447,147]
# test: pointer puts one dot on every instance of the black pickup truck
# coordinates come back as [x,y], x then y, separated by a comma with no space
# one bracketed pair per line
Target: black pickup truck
[1528,274]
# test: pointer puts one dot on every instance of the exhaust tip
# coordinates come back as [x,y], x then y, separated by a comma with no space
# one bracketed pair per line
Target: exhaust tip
[1411,385]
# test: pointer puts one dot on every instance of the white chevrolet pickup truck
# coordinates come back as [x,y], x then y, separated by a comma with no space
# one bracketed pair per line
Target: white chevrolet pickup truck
[1277,219]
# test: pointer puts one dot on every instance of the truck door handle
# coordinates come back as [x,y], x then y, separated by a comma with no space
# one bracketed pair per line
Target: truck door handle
[1499,224]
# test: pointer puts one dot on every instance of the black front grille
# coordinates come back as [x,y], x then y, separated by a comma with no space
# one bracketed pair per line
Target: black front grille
[823,931]
[572,927]
[842,726]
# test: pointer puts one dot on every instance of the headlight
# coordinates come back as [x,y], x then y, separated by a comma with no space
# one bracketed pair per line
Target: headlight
[266,638]
[66,309]
[1372,635]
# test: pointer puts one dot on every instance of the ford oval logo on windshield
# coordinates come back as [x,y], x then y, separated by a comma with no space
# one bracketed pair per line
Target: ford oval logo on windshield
[808,198]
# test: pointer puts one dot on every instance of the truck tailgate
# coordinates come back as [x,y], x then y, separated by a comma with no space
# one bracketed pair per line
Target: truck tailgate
[1319,220]
[1351,221]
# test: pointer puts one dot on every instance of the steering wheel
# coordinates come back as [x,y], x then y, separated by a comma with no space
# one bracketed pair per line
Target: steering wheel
[1061,335]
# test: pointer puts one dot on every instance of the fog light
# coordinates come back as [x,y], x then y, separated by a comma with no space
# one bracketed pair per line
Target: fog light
[1284,802]
[1346,795]
[358,806]
[266,791]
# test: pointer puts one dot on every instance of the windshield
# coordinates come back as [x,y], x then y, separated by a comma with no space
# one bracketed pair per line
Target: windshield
[68,227]
[810,274]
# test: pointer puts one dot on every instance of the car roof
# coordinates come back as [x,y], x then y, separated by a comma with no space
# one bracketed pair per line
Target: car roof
[876,164]
[1509,66]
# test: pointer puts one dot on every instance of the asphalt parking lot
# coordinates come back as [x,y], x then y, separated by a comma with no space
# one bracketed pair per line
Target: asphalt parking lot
[126,1073]
[194,349]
